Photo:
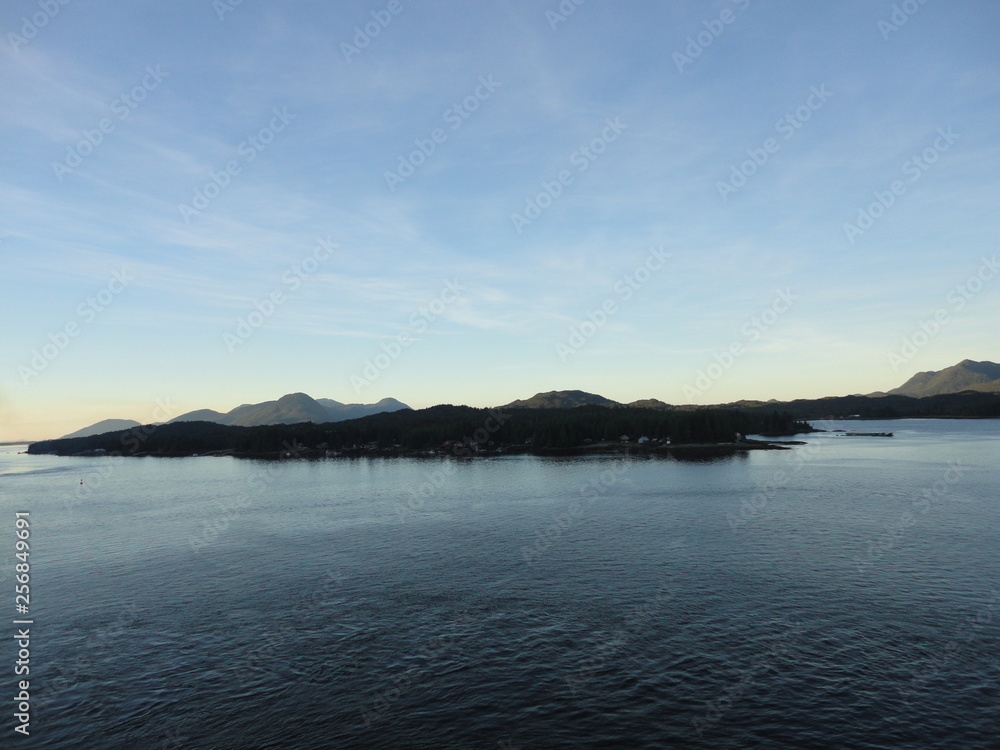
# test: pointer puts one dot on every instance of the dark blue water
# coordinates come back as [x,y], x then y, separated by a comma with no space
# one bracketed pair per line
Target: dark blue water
[841,594]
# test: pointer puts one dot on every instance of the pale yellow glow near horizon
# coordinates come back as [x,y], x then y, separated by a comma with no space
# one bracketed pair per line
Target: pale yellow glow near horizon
[58,418]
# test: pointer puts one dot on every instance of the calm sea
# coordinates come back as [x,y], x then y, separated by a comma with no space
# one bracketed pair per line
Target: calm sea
[843,594]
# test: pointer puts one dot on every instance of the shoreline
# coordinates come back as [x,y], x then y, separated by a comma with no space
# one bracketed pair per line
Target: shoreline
[601,449]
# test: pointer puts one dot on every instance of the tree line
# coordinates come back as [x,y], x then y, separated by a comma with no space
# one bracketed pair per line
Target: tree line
[430,429]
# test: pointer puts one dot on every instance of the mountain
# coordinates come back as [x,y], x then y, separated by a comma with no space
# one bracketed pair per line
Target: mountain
[966,375]
[649,403]
[356,411]
[968,403]
[561,400]
[991,387]
[572,399]
[291,409]
[201,415]
[105,425]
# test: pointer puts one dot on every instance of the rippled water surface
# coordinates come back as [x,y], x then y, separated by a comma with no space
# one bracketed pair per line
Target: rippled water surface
[841,594]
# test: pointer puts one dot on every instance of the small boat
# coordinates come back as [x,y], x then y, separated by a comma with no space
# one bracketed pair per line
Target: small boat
[867,434]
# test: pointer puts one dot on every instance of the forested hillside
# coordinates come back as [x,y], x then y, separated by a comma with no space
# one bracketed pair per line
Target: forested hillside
[429,429]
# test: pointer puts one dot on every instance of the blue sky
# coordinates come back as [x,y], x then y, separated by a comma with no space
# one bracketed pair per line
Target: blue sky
[486,200]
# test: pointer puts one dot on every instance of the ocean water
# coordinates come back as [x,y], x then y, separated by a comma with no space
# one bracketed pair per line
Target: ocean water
[845,593]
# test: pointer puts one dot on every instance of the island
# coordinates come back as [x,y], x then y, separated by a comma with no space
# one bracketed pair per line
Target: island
[460,431]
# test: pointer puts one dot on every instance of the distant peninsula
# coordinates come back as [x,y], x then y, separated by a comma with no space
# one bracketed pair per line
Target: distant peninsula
[450,430]
[548,423]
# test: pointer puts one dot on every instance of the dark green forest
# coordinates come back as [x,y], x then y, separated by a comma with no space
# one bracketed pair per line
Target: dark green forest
[964,404]
[431,429]
[461,430]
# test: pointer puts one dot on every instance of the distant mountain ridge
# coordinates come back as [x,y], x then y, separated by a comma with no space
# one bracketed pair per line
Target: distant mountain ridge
[294,408]
[649,403]
[572,399]
[105,425]
[289,409]
[561,400]
[967,375]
